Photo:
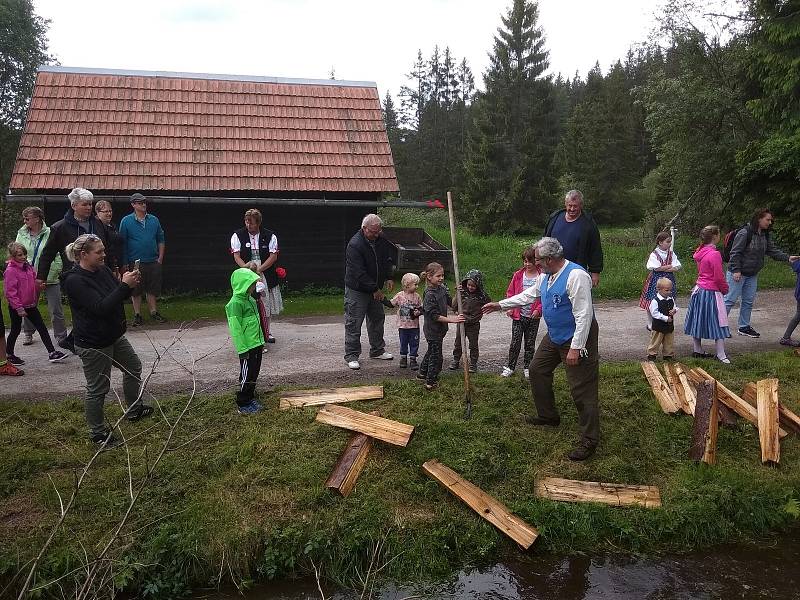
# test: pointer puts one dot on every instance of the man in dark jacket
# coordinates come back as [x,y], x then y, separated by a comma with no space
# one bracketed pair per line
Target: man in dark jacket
[750,245]
[578,235]
[368,269]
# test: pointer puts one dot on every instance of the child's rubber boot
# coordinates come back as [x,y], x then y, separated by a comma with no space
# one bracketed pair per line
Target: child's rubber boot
[403,362]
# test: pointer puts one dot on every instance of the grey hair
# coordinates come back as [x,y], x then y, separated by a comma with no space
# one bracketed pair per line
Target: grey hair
[549,247]
[574,195]
[84,243]
[78,195]
[371,219]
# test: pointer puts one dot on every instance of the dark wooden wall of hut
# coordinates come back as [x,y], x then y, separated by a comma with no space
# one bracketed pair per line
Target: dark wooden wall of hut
[312,241]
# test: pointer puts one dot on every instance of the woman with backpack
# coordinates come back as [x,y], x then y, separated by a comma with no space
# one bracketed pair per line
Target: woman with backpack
[746,249]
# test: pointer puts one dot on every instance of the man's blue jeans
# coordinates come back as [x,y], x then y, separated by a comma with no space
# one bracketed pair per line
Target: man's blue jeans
[746,289]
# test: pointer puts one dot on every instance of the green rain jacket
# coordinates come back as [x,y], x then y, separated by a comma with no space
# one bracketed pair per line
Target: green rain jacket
[242,311]
[34,246]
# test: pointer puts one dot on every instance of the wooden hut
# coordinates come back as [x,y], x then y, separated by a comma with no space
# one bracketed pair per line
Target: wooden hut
[312,155]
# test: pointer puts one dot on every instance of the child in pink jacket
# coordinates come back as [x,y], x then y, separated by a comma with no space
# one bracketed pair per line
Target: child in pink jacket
[20,289]
[706,317]
[525,320]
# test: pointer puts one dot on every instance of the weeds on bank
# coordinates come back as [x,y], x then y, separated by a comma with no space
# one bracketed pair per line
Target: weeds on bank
[245,498]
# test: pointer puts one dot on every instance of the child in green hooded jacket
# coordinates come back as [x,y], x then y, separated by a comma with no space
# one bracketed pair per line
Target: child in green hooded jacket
[245,327]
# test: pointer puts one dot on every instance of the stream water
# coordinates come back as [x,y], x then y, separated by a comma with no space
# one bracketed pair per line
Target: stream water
[768,570]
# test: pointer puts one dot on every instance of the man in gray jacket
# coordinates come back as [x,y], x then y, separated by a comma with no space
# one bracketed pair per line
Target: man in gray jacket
[751,244]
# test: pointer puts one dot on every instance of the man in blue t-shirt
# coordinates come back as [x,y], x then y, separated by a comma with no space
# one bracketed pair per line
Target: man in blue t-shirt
[578,234]
[144,241]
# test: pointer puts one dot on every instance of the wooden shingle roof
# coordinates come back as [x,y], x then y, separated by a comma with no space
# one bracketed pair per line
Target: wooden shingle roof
[184,132]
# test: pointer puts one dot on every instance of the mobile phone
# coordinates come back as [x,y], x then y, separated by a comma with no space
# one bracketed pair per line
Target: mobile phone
[136,264]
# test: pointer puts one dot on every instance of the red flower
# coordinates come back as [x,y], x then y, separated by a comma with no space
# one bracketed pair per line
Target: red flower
[280,272]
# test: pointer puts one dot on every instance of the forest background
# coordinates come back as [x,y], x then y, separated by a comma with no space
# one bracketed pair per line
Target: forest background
[699,123]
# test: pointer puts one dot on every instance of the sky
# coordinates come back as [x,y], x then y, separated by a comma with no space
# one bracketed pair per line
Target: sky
[363,40]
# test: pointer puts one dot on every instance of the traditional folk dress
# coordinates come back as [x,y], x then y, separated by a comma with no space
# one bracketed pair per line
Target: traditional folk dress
[658,258]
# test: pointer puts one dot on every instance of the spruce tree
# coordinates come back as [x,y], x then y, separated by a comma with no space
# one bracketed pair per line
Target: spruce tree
[508,170]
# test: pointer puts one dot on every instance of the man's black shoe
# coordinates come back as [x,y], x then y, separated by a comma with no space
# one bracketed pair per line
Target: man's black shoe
[582,451]
[530,419]
[749,332]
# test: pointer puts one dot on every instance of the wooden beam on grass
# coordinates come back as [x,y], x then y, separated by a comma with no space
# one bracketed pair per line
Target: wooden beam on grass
[703,446]
[674,384]
[688,393]
[316,397]
[482,503]
[352,460]
[386,430]
[767,399]
[669,404]
[734,402]
[613,494]
[789,420]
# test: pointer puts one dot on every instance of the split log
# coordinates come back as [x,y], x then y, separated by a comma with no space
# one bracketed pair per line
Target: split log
[301,398]
[669,404]
[706,421]
[789,420]
[352,460]
[613,494]
[727,417]
[487,507]
[734,402]
[675,385]
[386,430]
[688,393]
[767,398]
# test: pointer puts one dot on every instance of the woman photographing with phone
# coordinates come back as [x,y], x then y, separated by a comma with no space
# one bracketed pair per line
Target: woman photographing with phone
[97,299]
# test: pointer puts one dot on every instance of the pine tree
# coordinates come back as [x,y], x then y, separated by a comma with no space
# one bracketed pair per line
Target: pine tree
[508,172]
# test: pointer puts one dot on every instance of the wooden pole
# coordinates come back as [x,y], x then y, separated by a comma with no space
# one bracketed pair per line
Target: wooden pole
[706,420]
[460,327]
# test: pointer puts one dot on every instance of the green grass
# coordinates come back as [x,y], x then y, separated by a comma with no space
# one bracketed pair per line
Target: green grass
[247,497]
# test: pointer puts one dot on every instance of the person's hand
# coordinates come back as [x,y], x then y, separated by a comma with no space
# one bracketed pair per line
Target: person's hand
[595,280]
[40,284]
[378,295]
[389,284]
[573,357]
[459,288]
[131,278]
[456,319]
[737,277]
[673,311]
[669,319]
[794,258]
[510,313]
[490,307]
[22,312]
[160,261]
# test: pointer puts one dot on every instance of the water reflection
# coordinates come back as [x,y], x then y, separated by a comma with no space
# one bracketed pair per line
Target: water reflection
[769,570]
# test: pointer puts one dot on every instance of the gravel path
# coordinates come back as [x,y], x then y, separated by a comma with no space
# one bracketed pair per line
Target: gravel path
[309,350]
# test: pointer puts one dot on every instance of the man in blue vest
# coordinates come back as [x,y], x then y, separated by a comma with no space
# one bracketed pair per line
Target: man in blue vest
[566,292]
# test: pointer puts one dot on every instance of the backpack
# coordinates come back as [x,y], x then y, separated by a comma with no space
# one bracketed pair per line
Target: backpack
[729,237]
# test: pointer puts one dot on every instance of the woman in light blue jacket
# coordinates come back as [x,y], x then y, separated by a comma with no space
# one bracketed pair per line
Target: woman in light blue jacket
[34,235]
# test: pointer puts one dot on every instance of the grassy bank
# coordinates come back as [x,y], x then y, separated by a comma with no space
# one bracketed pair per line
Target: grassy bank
[246,498]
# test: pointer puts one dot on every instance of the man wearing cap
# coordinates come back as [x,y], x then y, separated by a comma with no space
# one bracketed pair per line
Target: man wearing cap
[143,237]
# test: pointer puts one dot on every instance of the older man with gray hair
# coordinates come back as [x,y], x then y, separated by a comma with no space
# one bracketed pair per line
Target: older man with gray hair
[565,289]
[578,234]
[368,269]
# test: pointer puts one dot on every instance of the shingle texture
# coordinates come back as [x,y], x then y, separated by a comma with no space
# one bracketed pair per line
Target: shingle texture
[139,132]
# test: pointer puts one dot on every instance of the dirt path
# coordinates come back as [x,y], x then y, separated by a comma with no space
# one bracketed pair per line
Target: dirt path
[309,350]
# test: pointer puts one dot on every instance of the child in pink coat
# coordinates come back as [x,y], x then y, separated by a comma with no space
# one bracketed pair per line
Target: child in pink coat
[22,294]
[525,320]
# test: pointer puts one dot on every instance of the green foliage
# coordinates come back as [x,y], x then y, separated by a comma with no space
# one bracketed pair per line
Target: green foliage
[509,180]
[246,500]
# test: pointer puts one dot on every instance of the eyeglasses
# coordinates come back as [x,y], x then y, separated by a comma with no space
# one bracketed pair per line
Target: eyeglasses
[103,210]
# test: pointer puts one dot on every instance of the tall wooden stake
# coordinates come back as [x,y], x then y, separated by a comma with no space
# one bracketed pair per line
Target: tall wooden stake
[460,327]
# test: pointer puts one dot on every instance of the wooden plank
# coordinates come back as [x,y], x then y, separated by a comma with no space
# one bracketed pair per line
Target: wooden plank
[669,404]
[352,460]
[613,494]
[482,503]
[767,399]
[386,430]
[688,392]
[703,446]
[734,402]
[789,420]
[674,385]
[301,398]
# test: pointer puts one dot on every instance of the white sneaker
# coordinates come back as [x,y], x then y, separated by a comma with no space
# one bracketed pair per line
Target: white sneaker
[353,364]
[507,372]
[27,339]
[526,373]
[384,356]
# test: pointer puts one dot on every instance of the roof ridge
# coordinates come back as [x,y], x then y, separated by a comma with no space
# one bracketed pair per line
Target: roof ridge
[210,76]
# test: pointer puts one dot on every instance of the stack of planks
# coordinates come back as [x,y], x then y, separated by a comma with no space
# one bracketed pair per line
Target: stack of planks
[711,403]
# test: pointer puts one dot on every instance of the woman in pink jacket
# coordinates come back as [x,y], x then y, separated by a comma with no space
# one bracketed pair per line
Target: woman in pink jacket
[706,317]
[22,294]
